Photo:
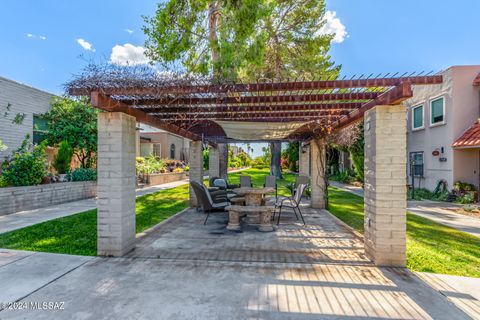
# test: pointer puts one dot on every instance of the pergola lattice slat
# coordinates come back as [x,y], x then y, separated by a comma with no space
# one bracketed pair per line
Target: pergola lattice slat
[324,106]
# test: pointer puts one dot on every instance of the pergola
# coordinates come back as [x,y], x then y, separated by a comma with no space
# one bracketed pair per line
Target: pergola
[219,113]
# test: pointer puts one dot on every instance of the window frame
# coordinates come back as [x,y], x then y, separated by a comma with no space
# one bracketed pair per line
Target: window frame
[443,110]
[412,153]
[413,117]
[38,132]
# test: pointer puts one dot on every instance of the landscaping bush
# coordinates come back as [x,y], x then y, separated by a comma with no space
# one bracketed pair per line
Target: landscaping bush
[63,158]
[345,176]
[83,174]
[26,166]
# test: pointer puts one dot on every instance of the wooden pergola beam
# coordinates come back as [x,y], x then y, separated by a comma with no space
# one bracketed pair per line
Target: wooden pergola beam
[265,87]
[298,118]
[256,114]
[247,108]
[101,101]
[293,98]
[397,95]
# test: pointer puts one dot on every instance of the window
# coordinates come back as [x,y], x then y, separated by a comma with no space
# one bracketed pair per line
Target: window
[172,151]
[157,149]
[417,117]
[40,128]
[416,163]
[437,111]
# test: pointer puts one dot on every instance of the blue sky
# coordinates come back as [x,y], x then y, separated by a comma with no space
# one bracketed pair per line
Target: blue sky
[41,46]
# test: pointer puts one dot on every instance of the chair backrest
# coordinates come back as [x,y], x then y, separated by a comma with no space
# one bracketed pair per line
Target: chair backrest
[270,182]
[301,180]
[221,183]
[245,181]
[299,193]
[211,181]
[203,196]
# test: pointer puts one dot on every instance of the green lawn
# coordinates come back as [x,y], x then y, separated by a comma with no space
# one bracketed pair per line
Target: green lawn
[77,234]
[431,247]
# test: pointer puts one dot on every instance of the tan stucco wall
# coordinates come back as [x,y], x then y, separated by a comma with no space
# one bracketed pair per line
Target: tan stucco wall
[462,109]
[166,140]
[466,166]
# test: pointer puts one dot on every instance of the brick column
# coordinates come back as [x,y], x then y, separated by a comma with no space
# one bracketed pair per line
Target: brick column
[213,162]
[318,161]
[304,161]
[385,185]
[196,168]
[116,184]
[223,154]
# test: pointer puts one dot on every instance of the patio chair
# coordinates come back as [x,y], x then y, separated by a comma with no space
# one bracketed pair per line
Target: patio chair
[209,201]
[221,183]
[291,202]
[271,182]
[299,180]
[246,181]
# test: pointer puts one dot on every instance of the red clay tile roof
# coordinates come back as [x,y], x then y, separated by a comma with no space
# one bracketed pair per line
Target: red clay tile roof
[476,82]
[470,138]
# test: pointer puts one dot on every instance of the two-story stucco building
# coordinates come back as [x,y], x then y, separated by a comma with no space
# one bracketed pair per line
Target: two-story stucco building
[440,118]
[25,104]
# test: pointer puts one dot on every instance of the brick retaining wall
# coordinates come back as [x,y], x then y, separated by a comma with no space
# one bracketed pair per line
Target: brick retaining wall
[14,199]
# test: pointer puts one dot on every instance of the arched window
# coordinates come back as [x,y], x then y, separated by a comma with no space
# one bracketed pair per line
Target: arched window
[172,151]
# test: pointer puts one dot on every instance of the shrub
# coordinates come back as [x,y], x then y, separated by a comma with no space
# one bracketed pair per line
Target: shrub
[63,158]
[26,166]
[186,168]
[467,198]
[83,174]
[178,170]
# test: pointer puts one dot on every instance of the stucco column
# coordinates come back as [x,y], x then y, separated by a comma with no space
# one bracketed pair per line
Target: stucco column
[223,153]
[385,185]
[318,162]
[196,168]
[116,184]
[304,161]
[213,162]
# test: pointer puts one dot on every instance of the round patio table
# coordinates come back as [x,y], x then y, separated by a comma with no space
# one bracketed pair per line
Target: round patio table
[253,196]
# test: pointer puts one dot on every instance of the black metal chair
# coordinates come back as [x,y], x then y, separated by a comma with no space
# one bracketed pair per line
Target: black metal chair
[221,183]
[292,202]
[209,201]
[246,181]
[271,182]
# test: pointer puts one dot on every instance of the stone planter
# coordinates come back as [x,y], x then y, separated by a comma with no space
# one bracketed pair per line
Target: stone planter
[161,178]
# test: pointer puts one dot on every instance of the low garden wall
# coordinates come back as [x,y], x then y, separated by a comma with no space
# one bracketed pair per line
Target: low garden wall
[161,178]
[14,199]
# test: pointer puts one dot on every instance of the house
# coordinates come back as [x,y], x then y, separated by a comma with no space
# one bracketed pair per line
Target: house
[443,140]
[162,144]
[21,107]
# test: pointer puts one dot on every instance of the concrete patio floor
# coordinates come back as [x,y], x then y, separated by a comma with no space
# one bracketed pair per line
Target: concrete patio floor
[184,270]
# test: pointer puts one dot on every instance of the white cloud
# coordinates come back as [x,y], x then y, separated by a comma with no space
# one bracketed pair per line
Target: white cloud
[129,31]
[333,25]
[128,55]
[33,36]
[85,44]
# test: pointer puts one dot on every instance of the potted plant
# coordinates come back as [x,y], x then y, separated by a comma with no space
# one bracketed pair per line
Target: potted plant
[62,160]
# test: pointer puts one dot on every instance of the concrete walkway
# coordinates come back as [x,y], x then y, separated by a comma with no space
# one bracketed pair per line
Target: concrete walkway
[440,212]
[27,218]
[184,270]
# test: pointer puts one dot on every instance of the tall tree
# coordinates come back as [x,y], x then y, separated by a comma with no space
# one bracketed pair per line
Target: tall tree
[295,48]
[207,37]
[245,39]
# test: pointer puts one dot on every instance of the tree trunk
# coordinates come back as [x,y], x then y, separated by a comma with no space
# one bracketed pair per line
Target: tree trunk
[275,165]
[212,36]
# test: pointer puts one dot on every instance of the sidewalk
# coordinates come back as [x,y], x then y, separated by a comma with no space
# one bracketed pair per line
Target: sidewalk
[434,210]
[27,218]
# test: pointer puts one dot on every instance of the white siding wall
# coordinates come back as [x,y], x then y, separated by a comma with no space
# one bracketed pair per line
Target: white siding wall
[23,99]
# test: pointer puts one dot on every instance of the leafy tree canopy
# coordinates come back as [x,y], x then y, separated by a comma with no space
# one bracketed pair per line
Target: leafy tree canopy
[75,122]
